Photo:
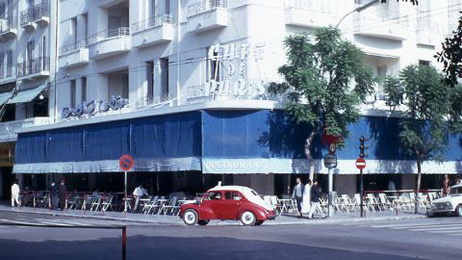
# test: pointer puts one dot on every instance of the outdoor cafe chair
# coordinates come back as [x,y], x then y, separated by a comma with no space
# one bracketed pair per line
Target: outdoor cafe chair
[151,206]
[171,206]
[106,203]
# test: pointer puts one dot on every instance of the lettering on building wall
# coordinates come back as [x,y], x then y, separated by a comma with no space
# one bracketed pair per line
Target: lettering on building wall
[235,62]
[94,107]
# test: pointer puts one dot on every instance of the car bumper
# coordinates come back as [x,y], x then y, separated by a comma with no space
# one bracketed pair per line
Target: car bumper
[271,215]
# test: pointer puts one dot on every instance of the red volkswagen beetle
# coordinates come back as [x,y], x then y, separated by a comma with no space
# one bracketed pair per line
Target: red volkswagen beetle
[228,203]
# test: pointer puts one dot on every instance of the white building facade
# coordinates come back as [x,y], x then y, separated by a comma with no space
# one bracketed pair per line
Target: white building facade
[27,68]
[211,60]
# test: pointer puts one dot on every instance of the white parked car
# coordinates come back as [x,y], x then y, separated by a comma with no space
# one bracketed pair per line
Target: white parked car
[451,204]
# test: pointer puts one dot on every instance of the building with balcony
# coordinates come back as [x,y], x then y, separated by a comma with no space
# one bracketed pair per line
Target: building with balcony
[27,69]
[181,86]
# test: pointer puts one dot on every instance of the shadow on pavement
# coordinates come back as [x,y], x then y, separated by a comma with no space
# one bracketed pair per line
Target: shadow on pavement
[143,247]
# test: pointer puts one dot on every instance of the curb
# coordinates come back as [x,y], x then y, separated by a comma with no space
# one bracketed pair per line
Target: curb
[337,220]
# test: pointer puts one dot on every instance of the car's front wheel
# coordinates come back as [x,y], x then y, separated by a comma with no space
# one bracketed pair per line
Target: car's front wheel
[459,211]
[190,217]
[248,218]
[202,222]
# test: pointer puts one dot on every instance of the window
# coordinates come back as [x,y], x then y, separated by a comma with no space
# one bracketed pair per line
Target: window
[2,11]
[167,6]
[213,65]
[424,62]
[228,195]
[164,78]
[84,89]
[73,93]
[2,65]
[237,196]
[152,9]
[9,63]
[43,52]
[216,195]
[73,31]
[150,80]
[85,26]
[125,86]
[30,50]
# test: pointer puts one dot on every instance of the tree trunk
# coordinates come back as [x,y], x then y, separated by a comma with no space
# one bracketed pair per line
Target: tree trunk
[308,143]
[419,178]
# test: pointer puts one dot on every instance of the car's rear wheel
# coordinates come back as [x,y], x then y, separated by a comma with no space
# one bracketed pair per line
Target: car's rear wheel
[459,211]
[202,222]
[190,217]
[259,222]
[248,218]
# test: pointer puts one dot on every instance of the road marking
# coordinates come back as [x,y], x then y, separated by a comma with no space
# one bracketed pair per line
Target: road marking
[397,226]
[435,228]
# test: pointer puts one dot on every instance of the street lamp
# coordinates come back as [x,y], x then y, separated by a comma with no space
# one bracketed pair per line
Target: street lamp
[357,9]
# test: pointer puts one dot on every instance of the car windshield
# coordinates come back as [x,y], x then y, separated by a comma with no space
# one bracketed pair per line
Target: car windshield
[456,190]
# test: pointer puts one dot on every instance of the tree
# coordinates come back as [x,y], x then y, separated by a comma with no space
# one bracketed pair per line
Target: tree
[324,81]
[424,129]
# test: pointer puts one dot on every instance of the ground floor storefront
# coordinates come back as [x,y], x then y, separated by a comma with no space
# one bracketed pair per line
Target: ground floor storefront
[192,151]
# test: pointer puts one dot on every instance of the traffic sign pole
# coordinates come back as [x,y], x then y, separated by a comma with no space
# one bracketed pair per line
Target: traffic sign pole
[126,162]
[126,201]
[330,211]
[361,191]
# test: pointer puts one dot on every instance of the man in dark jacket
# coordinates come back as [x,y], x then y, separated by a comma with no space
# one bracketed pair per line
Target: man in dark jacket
[315,194]
[54,195]
[62,195]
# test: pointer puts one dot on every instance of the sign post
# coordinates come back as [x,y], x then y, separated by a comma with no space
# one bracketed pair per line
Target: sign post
[361,164]
[126,163]
[330,162]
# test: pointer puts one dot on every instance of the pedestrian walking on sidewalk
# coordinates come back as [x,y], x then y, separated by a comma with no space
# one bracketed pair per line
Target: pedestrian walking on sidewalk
[15,194]
[54,199]
[306,204]
[62,195]
[315,194]
[297,193]
[445,186]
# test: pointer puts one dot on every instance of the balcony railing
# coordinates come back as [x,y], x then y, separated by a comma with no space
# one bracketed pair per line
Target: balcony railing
[8,73]
[205,6]
[113,33]
[8,24]
[63,50]
[34,13]
[152,22]
[34,66]
[311,5]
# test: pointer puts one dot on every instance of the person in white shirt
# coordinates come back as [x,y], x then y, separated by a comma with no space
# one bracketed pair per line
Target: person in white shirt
[15,194]
[138,193]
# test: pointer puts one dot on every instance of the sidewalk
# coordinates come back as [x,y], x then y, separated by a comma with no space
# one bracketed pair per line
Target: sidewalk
[338,218]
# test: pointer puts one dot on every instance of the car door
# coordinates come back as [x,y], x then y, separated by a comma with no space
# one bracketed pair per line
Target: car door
[230,205]
[211,205]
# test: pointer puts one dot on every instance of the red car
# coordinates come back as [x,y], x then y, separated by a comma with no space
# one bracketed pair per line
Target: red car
[228,203]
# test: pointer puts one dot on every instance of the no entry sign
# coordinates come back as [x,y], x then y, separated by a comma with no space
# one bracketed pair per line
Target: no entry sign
[126,162]
[360,163]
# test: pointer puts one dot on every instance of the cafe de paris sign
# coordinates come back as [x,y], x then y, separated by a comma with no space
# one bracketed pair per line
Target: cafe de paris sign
[232,63]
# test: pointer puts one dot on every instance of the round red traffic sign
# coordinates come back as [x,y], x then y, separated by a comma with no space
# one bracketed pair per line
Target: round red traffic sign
[360,163]
[126,162]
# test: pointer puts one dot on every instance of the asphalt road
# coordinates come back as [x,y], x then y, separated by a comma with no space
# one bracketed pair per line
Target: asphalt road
[436,238]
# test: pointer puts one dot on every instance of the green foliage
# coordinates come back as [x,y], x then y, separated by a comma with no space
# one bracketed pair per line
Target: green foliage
[428,103]
[451,56]
[325,80]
